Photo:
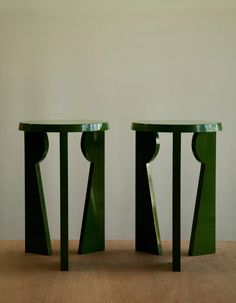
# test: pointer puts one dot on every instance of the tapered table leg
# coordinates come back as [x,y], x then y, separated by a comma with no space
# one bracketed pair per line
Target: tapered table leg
[37,238]
[147,234]
[92,236]
[176,250]
[64,199]
[203,236]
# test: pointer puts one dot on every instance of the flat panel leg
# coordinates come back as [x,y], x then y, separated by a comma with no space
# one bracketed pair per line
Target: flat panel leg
[64,200]
[92,236]
[176,201]
[37,239]
[147,234]
[203,230]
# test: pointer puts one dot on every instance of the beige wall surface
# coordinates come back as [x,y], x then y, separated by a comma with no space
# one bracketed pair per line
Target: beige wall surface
[118,61]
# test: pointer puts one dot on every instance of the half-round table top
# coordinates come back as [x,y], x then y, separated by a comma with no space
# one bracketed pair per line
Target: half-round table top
[177,126]
[64,126]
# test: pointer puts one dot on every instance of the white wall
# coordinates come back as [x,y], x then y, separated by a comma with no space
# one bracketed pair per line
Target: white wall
[119,61]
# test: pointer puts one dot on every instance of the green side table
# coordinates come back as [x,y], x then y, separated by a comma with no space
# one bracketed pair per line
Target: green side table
[147,237]
[37,238]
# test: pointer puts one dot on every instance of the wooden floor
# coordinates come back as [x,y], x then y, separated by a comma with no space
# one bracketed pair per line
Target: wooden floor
[118,275]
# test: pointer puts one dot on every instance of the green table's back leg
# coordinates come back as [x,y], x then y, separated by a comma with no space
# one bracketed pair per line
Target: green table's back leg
[64,200]
[147,235]
[203,229]
[92,236]
[37,239]
[176,202]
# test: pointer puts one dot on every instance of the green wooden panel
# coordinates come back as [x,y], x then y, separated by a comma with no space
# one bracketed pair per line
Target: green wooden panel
[37,239]
[203,229]
[183,126]
[92,236]
[63,126]
[147,234]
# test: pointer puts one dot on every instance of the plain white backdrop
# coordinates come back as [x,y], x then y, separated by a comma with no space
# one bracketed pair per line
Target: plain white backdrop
[118,61]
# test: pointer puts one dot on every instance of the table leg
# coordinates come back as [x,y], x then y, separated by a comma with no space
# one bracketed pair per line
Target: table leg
[203,229]
[64,199]
[176,201]
[147,234]
[92,236]
[37,238]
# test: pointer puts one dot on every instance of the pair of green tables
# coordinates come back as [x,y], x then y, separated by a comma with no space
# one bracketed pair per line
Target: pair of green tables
[147,234]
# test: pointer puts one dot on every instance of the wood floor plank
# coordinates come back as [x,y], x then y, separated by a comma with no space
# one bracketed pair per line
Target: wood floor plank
[117,275]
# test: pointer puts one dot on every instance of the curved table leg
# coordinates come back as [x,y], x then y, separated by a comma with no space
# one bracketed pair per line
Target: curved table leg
[147,235]
[92,236]
[37,239]
[203,229]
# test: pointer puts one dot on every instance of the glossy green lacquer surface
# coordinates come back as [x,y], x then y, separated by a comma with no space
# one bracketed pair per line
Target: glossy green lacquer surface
[147,235]
[92,236]
[37,239]
[183,126]
[176,202]
[63,126]
[203,229]
[64,200]
[203,145]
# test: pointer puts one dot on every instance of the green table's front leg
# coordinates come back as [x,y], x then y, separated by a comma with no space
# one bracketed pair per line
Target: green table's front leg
[64,199]
[92,236]
[203,229]
[176,199]
[37,239]
[147,235]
